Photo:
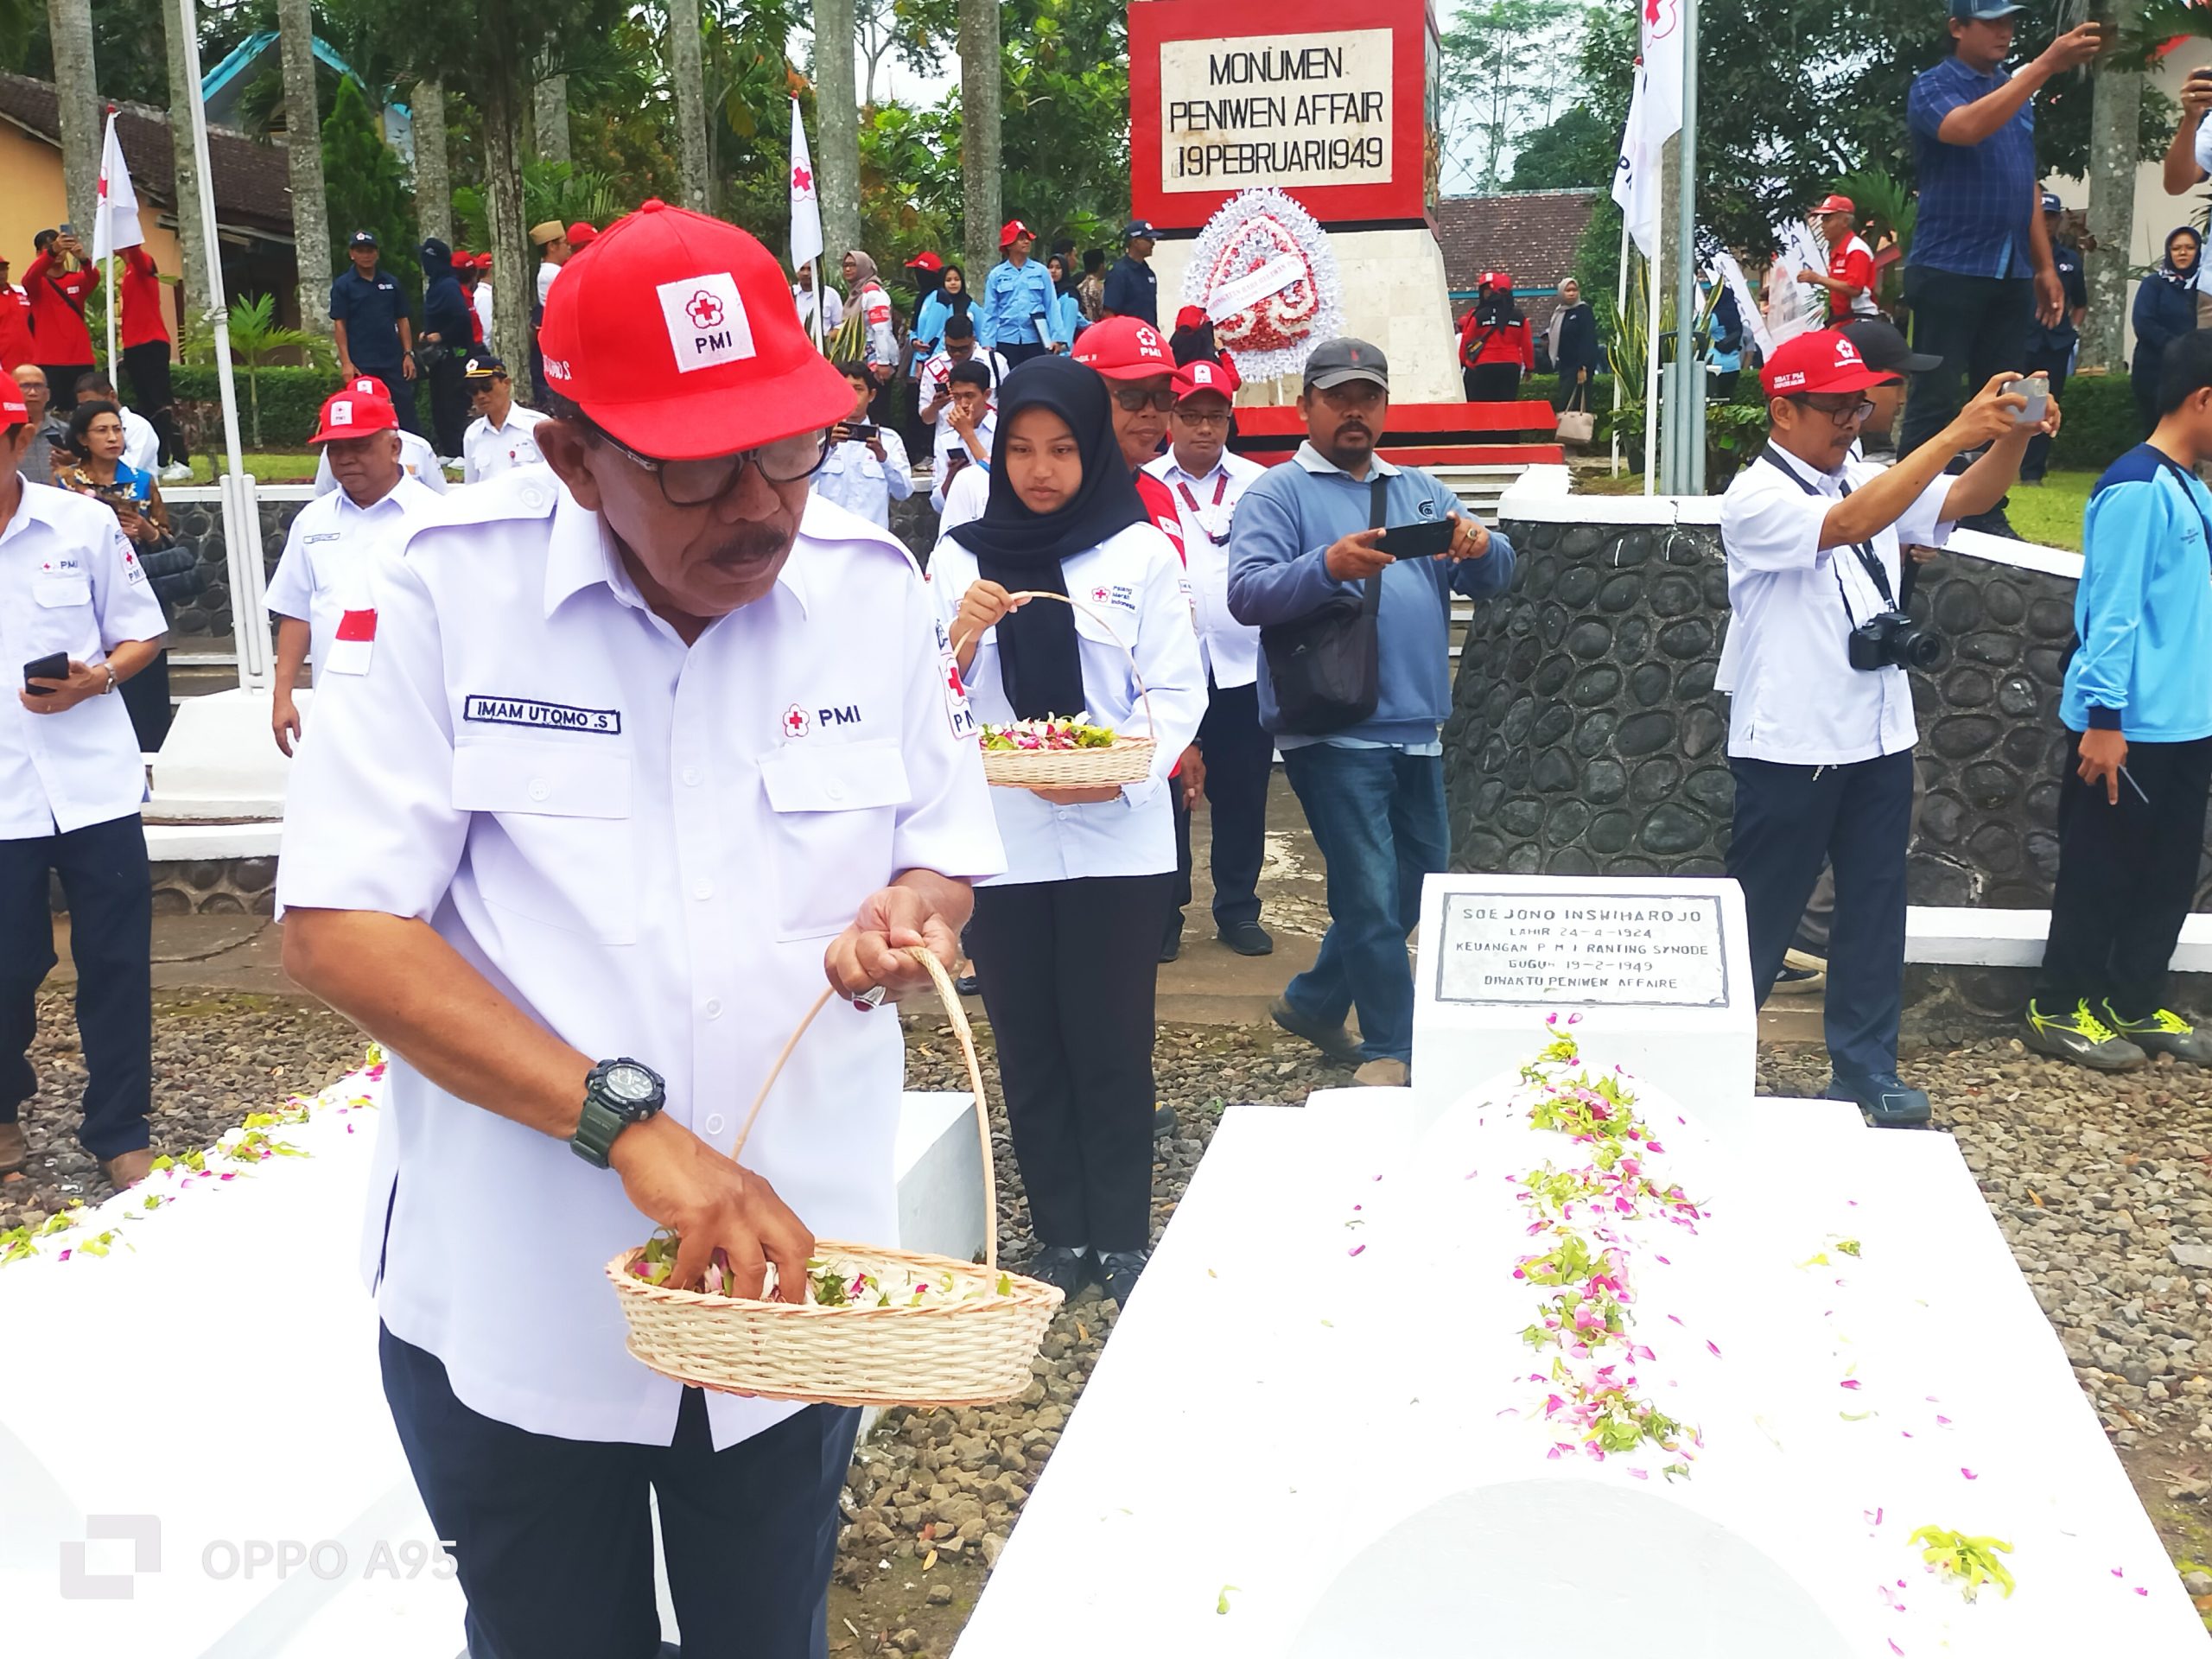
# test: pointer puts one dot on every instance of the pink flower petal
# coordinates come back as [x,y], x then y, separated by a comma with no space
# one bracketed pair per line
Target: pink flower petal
[1851,1383]
[1712,1347]
[1355,1250]
[1969,1474]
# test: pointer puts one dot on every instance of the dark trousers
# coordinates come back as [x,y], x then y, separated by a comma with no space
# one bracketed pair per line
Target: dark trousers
[1069,970]
[449,403]
[147,368]
[1977,325]
[553,1538]
[1240,757]
[1377,816]
[146,699]
[1019,354]
[1492,383]
[2050,361]
[62,381]
[1859,817]
[1179,895]
[401,389]
[2127,878]
[111,897]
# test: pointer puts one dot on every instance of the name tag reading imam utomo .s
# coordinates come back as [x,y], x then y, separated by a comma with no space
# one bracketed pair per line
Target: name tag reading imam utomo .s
[1665,950]
[543,717]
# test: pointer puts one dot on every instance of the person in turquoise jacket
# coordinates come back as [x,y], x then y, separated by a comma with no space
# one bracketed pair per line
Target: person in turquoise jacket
[2138,704]
[1018,291]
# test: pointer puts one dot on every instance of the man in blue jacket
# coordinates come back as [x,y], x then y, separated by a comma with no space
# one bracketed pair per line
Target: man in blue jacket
[448,333]
[1373,792]
[2138,704]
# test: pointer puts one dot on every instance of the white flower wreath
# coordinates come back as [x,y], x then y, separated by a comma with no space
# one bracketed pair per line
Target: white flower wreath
[1262,270]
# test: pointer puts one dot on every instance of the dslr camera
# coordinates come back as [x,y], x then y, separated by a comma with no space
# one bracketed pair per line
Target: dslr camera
[1892,639]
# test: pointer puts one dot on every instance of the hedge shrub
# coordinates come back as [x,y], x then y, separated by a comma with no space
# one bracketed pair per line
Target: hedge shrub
[291,403]
[2100,423]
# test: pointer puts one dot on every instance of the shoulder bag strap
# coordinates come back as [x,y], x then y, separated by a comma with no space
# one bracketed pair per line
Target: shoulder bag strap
[1378,513]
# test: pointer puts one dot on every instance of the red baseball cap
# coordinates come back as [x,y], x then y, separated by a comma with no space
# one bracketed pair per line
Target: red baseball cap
[481,261]
[1823,359]
[1204,374]
[368,385]
[13,409]
[462,260]
[1124,349]
[581,234]
[926,261]
[1190,316]
[681,341]
[351,414]
[1011,228]
[1836,204]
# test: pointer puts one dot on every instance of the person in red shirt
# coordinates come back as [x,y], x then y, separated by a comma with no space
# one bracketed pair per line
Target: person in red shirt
[60,282]
[1849,278]
[1495,349]
[17,345]
[146,352]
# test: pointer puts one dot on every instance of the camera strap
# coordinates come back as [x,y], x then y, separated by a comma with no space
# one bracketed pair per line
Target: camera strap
[1863,549]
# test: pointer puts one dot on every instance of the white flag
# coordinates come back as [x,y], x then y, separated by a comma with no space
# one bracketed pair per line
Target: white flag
[806,207]
[1661,78]
[1636,179]
[117,225]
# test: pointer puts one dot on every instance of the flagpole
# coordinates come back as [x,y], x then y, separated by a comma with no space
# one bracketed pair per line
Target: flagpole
[815,264]
[1689,380]
[1653,340]
[114,304]
[1620,317]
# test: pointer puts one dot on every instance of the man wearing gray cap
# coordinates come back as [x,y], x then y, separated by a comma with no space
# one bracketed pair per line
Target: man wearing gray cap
[1334,553]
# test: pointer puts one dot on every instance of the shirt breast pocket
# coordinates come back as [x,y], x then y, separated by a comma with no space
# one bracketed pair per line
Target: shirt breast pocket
[60,613]
[554,841]
[836,811]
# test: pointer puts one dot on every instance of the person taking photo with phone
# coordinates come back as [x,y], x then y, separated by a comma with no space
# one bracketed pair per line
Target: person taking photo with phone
[1820,727]
[2189,158]
[77,619]
[2137,708]
[865,469]
[1307,552]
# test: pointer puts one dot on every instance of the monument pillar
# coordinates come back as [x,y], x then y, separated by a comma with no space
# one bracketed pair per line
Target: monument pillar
[1337,109]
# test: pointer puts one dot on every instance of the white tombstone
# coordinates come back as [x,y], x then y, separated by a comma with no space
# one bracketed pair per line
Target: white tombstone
[1658,968]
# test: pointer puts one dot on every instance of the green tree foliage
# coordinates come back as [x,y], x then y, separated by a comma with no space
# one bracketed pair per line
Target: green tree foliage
[1499,79]
[367,189]
[1574,149]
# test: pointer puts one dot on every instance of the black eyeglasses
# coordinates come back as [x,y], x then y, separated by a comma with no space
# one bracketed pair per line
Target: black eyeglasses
[1133,398]
[1856,409]
[695,483]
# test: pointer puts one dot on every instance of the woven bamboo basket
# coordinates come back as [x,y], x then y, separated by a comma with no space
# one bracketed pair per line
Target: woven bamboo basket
[1126,760]
[976,1353]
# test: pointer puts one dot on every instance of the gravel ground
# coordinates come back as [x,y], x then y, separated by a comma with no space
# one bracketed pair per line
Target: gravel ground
[2102,1186]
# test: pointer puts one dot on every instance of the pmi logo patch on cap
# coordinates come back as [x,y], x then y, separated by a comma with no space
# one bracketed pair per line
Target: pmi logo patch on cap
[707,324]
[341,411]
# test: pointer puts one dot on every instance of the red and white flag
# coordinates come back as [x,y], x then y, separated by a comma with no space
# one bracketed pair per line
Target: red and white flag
[116,226]
[806,207]
[354,644]
[1654,115]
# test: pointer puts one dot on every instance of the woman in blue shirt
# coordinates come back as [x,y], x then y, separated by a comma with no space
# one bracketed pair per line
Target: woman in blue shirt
[1068,319]
[2165,309]
[950,300]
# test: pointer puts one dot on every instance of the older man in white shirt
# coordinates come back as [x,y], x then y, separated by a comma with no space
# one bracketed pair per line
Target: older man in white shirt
[78,616]
[500,438]
[416,458]
[639,747]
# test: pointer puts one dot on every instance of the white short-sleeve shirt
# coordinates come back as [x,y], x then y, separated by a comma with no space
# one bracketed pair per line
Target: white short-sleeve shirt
[70,582]
[948,443]
[488,450]
[1131,587]
[854,479]
[1794,696]
[1206,504]
[965,498]
[329,557]
[647,847]
[416,459]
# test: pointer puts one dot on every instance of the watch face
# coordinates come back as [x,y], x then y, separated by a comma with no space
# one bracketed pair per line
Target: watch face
[630,1084]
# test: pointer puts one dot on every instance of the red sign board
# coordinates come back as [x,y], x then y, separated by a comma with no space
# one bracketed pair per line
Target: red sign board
[1335,105]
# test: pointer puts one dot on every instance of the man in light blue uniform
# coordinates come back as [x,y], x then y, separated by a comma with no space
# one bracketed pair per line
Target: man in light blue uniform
[1019,301]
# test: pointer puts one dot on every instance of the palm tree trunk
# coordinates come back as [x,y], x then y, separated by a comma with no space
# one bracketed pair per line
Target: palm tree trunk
[838,115]
[70,22]
[194,288]
[504,107]
[2115,105]
[979,132]
[550,104]
[433,185]
[303,161]
[689,78]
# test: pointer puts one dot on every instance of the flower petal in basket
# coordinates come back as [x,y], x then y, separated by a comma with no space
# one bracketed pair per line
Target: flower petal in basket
[1125,760]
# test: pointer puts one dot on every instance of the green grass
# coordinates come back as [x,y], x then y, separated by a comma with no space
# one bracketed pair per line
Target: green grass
[2050,512]
[269,468]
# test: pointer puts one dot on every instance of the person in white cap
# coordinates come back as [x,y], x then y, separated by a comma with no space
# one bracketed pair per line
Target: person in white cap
[323,577]
[641,748]
[502,436]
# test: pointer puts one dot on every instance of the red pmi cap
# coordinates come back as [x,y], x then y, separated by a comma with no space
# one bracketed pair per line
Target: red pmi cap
[674,332]
[351,414]
[1124,349]
[1822,360]
[13,409]
[1835,205]
[368,385]
[1203,375]
[1011,228]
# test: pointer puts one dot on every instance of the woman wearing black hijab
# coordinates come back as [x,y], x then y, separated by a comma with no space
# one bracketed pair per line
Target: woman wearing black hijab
[1067,942]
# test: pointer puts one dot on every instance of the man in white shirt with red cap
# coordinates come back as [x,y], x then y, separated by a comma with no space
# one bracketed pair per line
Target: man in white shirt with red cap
[643,744]
[322,589]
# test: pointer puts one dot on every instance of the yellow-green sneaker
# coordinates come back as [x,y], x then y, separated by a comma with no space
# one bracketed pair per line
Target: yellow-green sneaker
[2080,1036]
[2162,1033]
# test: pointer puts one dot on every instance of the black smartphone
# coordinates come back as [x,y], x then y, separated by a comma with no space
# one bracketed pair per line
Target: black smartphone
[861,431]
[55,667]
[1422,541]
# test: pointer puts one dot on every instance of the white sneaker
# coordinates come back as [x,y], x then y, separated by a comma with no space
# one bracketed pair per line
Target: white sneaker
[175,472]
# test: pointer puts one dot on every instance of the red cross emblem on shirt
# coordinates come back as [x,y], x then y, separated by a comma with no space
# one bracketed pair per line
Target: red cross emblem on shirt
[704,309]
[794,721]
[1098,595]
[952,680]
[801,179]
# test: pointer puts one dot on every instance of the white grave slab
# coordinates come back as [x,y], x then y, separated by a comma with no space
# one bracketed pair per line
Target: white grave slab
[1660,965]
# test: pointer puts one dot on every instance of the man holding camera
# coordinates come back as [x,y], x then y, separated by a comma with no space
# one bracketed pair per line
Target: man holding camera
[1821,726]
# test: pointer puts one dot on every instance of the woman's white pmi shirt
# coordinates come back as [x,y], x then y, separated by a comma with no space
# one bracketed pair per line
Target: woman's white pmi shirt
[1134,581]
[647,847]
[1793,695]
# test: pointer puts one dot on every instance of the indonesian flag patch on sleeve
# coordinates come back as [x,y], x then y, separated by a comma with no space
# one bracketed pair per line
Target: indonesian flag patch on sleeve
[355,639]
